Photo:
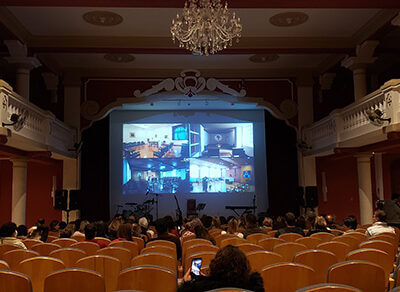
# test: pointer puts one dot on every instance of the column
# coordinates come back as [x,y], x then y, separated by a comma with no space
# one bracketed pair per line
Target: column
[365,188]
[18,204]
[359,64]
[24,64]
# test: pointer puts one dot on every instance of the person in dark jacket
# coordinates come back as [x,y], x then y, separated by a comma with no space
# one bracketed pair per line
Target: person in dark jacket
[290,226]
[229,268]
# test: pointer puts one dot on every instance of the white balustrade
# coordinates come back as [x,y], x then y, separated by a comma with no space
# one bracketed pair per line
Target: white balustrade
[351,127]
[41,130]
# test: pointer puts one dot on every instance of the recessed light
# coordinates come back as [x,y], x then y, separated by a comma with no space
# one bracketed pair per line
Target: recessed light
[288,19]
[102,18]
[119,58]
[264,58]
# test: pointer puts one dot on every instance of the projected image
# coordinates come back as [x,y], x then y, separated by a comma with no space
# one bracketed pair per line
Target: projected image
[188,158]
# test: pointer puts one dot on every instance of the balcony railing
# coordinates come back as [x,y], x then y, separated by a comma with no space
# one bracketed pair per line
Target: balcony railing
[41,130]
[351,127]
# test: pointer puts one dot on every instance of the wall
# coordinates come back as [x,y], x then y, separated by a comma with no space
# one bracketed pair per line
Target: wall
[342,187]
[5,190]
[39,202]
[388,163]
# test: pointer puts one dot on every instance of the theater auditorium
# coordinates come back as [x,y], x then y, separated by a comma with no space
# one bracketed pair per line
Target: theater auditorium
[199,145]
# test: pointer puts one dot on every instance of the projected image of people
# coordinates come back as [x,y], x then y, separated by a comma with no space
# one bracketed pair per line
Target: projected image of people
[188,158]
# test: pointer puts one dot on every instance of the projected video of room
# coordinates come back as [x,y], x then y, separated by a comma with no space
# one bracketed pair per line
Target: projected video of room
[188,158]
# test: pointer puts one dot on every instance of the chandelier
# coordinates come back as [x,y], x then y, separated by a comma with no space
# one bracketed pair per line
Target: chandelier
[205,27]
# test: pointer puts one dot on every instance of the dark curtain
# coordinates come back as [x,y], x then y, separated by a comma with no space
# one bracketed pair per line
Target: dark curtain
[281,154]
[95,172]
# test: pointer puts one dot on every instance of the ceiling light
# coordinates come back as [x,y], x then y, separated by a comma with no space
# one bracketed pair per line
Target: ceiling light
[205,27]
[102,18]
[119,58]
[288,19]
[265,58]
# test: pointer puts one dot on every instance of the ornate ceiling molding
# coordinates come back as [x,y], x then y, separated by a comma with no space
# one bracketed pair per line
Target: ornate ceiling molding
[190,83]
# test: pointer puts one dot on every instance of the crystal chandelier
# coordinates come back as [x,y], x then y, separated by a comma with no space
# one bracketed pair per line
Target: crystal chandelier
[205,27]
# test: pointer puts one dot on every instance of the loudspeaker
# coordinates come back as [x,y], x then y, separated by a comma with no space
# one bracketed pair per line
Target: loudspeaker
[300,196]
[74,199]
[60,200]
[311,197]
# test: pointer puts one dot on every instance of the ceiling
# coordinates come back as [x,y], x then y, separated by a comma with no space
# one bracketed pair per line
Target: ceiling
[57,34]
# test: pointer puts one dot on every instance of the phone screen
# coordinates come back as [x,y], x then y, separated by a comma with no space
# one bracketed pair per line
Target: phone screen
[196,266]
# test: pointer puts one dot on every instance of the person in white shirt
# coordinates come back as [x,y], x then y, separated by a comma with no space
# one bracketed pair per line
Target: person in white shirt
[380,225]
[9,235]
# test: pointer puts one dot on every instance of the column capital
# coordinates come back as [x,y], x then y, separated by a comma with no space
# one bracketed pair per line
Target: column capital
[363,157]
[354,63]
[305,80]
[19,55]
[19,162]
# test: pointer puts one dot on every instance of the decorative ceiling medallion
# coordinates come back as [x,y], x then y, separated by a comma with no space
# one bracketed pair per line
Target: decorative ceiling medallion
[264,58]
[119,58]
[102,18]
[288,19]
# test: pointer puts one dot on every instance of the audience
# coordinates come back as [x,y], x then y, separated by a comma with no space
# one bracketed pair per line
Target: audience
[8,234]
[124,233]
[350,224]
[251,226]
[380,224]
[330,221]
[290,220]
[233,228]
[202,232]
[319,226]
[229,268]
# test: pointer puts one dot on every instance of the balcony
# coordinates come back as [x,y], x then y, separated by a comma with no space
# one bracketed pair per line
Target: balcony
[351,127]
[41,130]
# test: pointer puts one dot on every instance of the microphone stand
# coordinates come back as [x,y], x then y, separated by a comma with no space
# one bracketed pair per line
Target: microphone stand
[156,204]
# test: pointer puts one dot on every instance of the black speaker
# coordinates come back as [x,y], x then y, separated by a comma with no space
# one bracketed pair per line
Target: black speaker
[300,196]
[311,197]
[60,200]
[74,199]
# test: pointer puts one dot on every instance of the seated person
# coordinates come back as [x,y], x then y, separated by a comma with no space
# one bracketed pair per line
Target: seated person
[162,234]
[90,234]
[201,232]
[251,226]
[124,233]
[233,228]
[229,268]
[319,226]
[349,224]
[330,221]
[380,225]
[8,235]
[290,220]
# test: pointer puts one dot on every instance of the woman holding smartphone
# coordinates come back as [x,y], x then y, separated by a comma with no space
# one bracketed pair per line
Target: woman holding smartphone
[229,268]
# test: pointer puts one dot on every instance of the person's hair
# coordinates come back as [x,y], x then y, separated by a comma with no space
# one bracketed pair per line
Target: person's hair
[101,228]
[320,222]
[311,216]
[136,229]
[215,223]
[380,215]
[8,229]
[223,220]
[300,222]
[83,225]
[395,196]
[22,230]
[195,222]
[267,222]
[114,225]
[143,222]
[40,221]
[290,219]
[207,221]
[251,219]
[125,231]
[62,225]
[230,265]
[278,223]
[65,233]
[161,226]
[90,231]
[41,233]
[53,225]
[170,222]
[233,226]
[350,222]
[201,232]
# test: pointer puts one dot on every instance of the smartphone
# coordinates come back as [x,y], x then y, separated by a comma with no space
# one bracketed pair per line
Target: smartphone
[196,266]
